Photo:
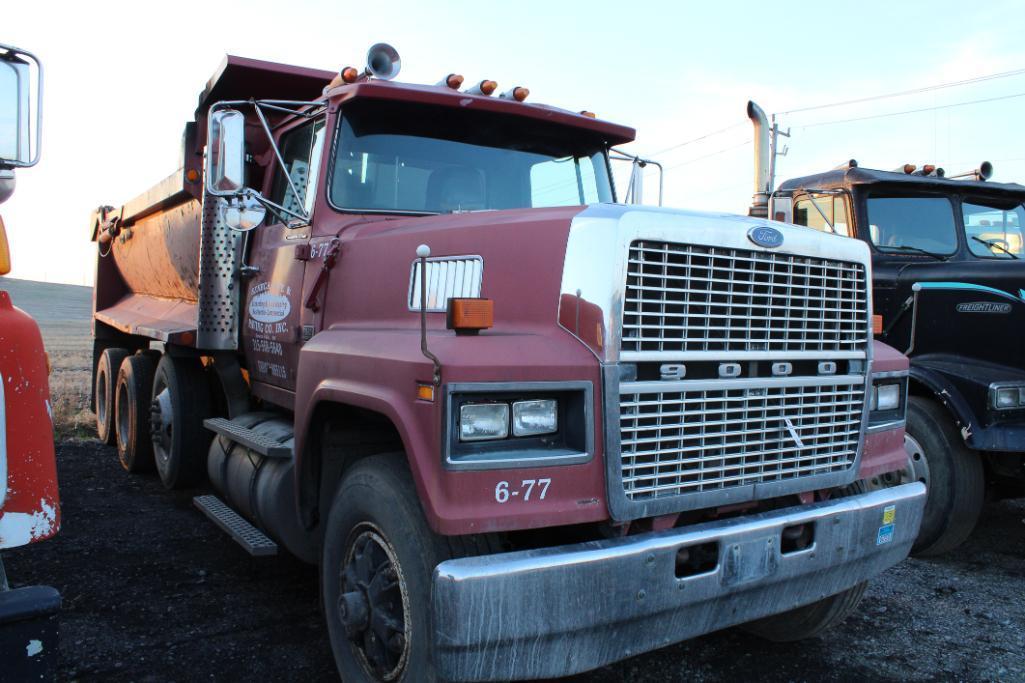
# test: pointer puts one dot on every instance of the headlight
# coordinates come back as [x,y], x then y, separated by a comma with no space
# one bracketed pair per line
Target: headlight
[1007,396]
[483,421]
[887,396]
[887,406]
[531,418]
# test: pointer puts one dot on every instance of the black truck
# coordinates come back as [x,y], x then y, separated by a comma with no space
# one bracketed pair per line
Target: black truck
[948,264]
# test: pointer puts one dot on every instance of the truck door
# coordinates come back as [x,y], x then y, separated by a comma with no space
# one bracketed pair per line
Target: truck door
[273,310]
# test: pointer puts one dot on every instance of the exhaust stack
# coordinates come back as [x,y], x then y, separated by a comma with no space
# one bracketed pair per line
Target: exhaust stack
[763,156]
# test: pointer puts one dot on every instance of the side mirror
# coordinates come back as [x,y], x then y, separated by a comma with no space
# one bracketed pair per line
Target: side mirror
[21,81]
[241,213]
[225,152]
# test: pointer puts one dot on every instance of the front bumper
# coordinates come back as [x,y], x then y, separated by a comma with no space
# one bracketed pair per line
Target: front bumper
[558,611]
[28,633]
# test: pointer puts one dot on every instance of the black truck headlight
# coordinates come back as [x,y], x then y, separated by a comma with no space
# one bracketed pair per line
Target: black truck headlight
[1007,396]
[887,403]
[483,421]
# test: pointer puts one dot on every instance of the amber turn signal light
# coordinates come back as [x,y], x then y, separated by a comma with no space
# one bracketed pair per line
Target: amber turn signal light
[425,392]
[877,324]
[470,316]
[5,251]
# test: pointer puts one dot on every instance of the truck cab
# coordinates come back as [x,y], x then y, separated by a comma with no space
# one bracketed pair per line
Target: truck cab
[406,332]
[949,288]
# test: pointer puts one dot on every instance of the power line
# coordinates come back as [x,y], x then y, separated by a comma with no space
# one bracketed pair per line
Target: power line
[707,156]
[913,91]
[912,111]
[698,139]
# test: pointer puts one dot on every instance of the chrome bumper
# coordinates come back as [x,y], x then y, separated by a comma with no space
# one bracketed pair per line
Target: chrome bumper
[558,611]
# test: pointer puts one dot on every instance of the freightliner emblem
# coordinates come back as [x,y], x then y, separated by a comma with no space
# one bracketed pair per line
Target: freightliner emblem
[764,236]
[983,307]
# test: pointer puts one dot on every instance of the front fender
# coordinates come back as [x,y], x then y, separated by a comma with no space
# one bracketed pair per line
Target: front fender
[379,369]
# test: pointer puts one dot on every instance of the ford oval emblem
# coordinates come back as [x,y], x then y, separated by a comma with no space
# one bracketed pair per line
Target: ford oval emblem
[764,236]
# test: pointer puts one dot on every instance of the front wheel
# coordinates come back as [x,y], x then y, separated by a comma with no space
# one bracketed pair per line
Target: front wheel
[376,575]
[953,474]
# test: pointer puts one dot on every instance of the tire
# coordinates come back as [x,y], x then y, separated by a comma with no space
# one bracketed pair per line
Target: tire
[956,483]
[106,378]
[181,401]
[132,397]
[810,620]
[376,514]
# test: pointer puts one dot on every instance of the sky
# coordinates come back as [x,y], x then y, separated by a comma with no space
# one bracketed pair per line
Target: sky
[122,79]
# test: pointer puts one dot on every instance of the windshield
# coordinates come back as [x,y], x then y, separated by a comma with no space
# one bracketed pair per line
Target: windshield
[909,224]
[427,159]
[994,229]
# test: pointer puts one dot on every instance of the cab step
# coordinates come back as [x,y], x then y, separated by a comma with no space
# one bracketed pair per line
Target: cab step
[261,443]
[255,542]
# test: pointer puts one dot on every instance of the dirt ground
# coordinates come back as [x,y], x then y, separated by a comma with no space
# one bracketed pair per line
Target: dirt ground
[154,592]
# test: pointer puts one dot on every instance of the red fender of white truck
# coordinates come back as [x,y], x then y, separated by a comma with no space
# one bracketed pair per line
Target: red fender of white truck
[29,504]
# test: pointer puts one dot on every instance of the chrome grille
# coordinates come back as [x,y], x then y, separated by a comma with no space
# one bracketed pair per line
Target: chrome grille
[732,433]
[682,298]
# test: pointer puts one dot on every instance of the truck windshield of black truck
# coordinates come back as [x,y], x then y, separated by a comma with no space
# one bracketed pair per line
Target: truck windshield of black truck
[412,158]
[994,228]
[912,224]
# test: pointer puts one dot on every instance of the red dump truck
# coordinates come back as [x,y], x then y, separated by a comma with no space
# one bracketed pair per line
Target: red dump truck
[406,333]
[29,504]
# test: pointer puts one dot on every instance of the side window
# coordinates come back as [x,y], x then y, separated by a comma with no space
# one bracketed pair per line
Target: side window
[301,149]
[833,207]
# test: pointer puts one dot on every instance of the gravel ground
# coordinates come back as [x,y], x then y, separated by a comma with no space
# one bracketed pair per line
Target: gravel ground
[154,592]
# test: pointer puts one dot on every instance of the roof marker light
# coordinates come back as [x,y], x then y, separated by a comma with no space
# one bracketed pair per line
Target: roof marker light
[453,81]
[519,93]
[347,74]
[907,169]
[589,114]
[484,87]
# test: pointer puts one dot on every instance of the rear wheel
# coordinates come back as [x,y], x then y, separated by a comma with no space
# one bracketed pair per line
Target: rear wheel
[953,474]
[132,397]
[810,620]
[376,572]
[181,401]
[106,378]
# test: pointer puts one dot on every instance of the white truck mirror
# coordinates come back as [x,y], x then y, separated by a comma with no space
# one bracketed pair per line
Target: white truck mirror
[20,116]
[225,153]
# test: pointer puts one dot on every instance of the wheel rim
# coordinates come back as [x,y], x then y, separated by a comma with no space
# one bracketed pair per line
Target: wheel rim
[373,604]
[917,468]
[121,411]
[161,420]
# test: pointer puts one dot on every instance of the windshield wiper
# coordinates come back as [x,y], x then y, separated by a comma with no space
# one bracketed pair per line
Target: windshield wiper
[918,250]
[994,243]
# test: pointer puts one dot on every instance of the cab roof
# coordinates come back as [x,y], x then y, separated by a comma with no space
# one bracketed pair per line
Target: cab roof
[241,78]
[849,178]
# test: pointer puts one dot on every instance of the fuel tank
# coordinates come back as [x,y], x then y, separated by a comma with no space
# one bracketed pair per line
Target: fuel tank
[260,488]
